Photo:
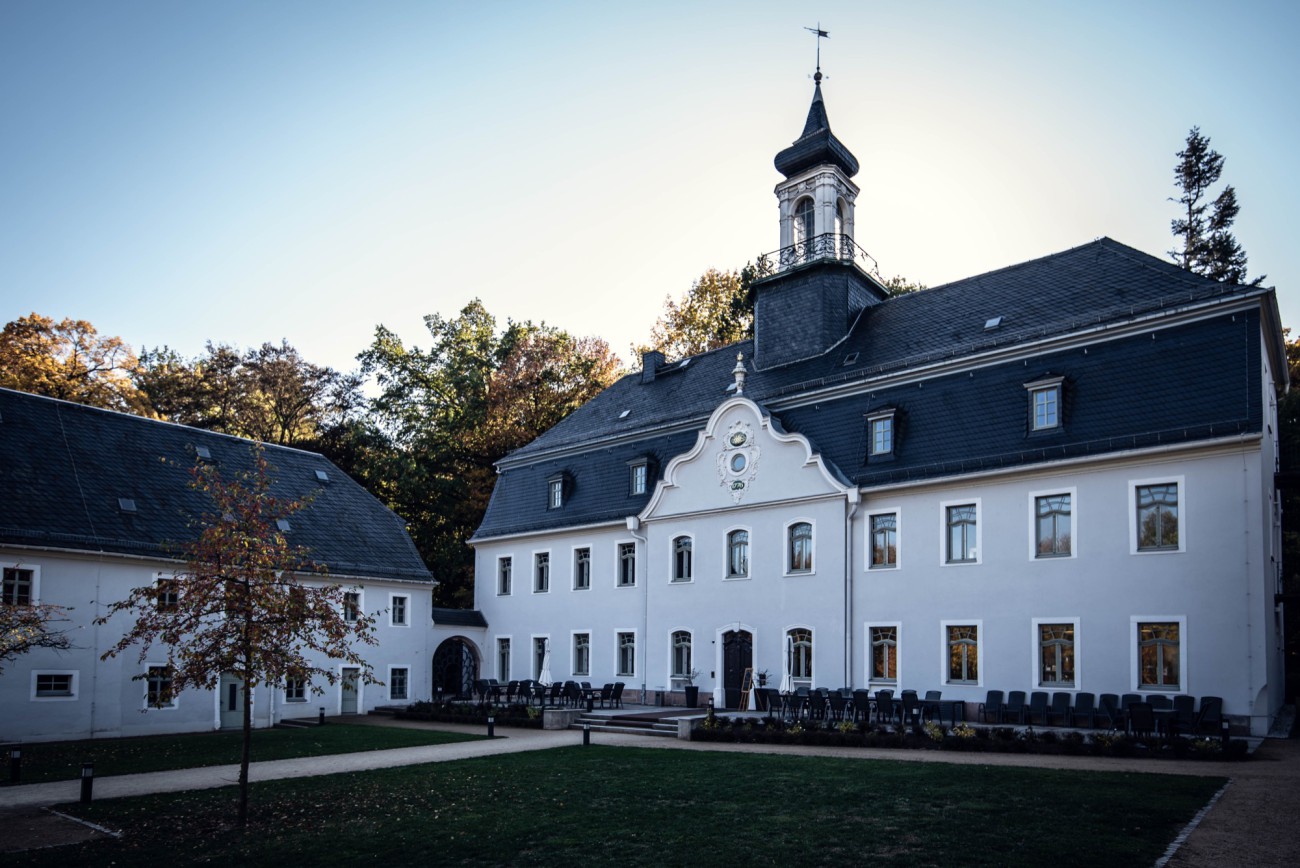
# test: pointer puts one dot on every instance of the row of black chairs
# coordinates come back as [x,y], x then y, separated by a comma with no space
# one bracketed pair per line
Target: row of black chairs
[1177,713]
[558,693]
[856,705]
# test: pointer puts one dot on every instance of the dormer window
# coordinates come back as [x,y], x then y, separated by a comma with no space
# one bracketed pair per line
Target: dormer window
[556,489]
[1045,403]
[880,433]
[639,478]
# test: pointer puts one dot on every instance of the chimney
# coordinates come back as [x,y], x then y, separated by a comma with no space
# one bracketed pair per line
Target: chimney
[651,362]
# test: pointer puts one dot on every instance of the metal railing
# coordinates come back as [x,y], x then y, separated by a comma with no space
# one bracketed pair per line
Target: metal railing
[828,245]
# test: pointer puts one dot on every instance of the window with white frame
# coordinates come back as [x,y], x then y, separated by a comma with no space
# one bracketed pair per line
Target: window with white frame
[880,434]
[581,569]
[541,572]
[1160,655]
[54,684]
[541,645]
[351,606]
[626,565]
[1053,522]
[503,659]
[18,588]
[295,689]
[682,547]
[962,537]
[884,540]
[397,610]
[884,654]
[503,576]
[158,687]
[555,492]
[398,680]
[582,654]
[799,643]
[1056,654]
[738,554]
[640,478]
[168,596]
[963,653]
[626,654]
[799,548]
[804,222]
[1045,403]
[1157,516]
[681,644]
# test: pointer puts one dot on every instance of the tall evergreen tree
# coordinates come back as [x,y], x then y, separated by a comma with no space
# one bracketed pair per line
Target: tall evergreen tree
[1208,246]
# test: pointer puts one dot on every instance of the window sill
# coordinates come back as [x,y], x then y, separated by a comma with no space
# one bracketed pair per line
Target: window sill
[795,574]
[681,581]
[877,567]
[736,578]
[582,587]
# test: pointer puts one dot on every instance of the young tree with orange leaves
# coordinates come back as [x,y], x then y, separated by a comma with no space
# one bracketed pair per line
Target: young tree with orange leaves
[241,604]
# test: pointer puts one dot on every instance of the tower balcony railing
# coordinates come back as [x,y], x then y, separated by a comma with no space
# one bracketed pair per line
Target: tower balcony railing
[828,246]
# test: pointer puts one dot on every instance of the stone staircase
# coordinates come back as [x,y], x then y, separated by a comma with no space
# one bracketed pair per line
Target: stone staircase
[629,725]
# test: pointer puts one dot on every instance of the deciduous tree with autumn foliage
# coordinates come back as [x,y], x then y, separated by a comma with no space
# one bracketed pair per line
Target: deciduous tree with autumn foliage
[69,360]
[246,602]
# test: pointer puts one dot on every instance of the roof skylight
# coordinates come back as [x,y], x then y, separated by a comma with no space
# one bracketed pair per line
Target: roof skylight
[203,452]
[126,504]
[322,476]
[283,524]
[991,324]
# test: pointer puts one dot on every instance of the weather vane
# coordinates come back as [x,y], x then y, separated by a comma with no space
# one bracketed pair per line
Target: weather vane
[820,34]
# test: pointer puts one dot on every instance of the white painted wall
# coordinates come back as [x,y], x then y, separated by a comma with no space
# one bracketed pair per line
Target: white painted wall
[108,703]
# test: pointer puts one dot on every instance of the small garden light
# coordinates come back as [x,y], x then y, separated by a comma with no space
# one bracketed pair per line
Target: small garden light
[491,726]
[15,764]
[87,781]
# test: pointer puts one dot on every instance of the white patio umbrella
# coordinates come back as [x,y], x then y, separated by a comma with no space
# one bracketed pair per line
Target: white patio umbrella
[545,675]
[787,683]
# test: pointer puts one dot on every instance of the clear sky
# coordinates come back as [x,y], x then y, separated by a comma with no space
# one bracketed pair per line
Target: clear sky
[249,171]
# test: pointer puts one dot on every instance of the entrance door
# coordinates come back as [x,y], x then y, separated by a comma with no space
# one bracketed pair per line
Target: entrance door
[349,704]
[231,698]
[737,656]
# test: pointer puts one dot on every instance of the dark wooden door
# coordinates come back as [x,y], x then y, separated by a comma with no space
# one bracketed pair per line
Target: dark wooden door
[737,656]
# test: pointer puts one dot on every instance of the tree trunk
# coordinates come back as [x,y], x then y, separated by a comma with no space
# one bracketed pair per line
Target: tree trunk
[244,755]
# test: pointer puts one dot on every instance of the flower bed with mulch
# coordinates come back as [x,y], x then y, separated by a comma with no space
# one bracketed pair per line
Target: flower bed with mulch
[962,737]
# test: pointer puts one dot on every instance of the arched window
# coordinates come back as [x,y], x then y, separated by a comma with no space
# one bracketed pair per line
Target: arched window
[682,559]
[801,550]
[804,220]
[737,554]
[681,654]
[839,219]
[799,645]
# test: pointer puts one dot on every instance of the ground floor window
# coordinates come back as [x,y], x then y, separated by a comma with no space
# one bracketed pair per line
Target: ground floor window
[800,644]
[397,682]
[158,688]
[295,690]
[963,654]
[55,685]
[627,654]
[1159,654]
[681,654]
[503,659]
[582,654]
[1056,655]
[884,654]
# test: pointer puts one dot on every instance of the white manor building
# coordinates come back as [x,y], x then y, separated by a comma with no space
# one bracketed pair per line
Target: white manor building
[94,503]
[1055,476]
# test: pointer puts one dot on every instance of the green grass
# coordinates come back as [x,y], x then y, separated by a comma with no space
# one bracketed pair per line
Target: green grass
[61,761]
[627,806]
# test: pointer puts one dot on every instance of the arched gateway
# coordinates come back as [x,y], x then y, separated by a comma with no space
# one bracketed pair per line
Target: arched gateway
[455,668]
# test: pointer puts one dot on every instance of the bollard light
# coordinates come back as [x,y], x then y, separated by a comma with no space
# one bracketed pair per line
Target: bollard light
[491,726]
[15,764]
[590,698]
[320,721]
[586,734]
[87,781]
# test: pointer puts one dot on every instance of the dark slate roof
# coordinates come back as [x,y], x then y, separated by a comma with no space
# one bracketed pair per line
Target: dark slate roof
[64,466]
[1118,395]
[1098,283]
[816,145]
[459,617]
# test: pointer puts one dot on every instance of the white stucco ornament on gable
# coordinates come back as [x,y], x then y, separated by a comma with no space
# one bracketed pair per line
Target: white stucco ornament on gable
[742,454]
[738,459]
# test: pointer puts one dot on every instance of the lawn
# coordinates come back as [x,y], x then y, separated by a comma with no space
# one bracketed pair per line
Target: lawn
[61,760]
[629,806]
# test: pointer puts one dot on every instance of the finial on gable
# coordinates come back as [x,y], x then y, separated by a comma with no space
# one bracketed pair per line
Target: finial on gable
[739,373]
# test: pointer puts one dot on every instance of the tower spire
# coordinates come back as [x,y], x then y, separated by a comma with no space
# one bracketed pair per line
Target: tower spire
[820,34]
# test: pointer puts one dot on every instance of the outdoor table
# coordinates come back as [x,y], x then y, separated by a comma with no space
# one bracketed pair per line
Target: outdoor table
[933,707]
